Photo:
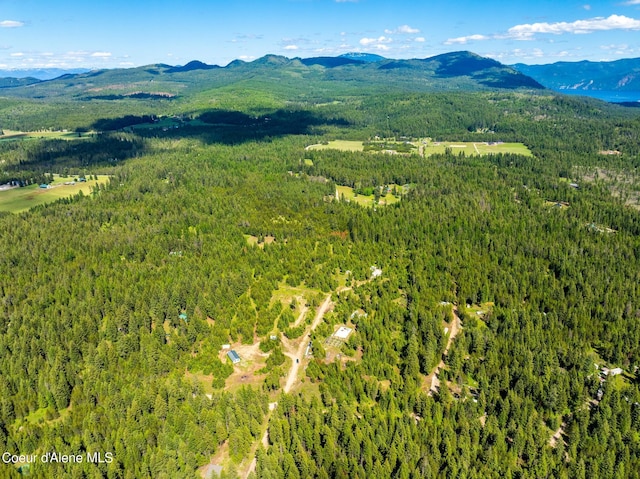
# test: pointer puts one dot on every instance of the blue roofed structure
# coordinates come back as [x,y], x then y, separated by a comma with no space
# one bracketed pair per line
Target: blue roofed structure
[235,359]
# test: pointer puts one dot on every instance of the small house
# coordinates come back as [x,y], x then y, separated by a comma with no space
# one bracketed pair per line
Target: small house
[235,359]
[343,333]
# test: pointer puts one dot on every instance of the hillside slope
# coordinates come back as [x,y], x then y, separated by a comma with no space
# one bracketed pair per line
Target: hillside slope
[448,72]
[619,75]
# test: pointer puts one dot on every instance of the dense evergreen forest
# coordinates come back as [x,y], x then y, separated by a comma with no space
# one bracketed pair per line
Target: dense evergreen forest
[222,230]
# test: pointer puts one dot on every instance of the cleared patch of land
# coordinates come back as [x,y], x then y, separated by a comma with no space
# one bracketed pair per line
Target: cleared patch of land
[426,147]
[49,135]
[348,194]
[17,200]
[245,372]
[623,183]
[475,148]
[343,145]
[455,326]
[260,242]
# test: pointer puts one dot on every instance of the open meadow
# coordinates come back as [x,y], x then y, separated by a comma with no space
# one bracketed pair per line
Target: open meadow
[475,148]
[348,194]
[9,135]
[17,200]
[428,148]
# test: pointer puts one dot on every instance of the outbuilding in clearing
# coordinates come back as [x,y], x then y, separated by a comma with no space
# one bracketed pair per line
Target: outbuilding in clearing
[235,359]
[343,333]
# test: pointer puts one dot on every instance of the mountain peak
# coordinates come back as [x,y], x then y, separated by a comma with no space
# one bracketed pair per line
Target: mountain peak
[362,57]
[192,65]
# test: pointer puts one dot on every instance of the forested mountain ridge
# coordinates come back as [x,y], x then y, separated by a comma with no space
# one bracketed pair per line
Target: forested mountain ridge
[618,75]
[220,225]
[453,71]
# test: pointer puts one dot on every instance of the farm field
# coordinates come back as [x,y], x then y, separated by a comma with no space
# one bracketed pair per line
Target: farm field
[9,135]
[474,148]
[342,145]
[17,200]
[428,148]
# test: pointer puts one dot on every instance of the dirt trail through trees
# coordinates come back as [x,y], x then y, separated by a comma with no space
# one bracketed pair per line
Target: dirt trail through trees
[295,365]
[455,329]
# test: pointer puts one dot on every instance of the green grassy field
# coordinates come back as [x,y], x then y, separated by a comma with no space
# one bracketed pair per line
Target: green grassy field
[470,148]
[342,145]
[49,135]
[348,194]
[17,200]
[431,148]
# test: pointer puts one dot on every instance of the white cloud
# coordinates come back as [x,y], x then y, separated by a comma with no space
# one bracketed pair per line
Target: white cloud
[291,47]
[632,2]
[17,54]
[405,29]
[11,24]
[365,42]
[101,55]
[586,7]
[622,49]
[419,39]
[529,30]
[465,40]
[613,22]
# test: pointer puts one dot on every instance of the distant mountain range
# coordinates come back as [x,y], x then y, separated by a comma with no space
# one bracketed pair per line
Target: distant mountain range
[351,73]
[449,71]
[619,75]
[40,73]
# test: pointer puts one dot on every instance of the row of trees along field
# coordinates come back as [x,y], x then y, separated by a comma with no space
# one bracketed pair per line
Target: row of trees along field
[93,353]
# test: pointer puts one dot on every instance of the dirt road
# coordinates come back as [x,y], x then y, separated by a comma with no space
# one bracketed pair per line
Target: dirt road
[293,371]
[299,354]
[455,329]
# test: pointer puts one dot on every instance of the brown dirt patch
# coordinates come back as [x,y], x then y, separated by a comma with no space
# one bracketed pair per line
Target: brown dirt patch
[246,371]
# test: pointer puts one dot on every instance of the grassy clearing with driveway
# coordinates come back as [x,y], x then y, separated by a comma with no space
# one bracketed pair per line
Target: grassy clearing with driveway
[9,135]
[17,200]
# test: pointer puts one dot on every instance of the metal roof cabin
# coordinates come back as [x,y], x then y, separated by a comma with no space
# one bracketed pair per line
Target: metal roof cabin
[235,359]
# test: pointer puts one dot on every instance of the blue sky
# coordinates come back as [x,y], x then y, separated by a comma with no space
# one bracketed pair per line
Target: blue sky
[118,33]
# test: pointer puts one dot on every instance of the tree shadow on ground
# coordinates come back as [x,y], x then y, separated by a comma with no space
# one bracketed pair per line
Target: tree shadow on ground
[234,127]
[97,149]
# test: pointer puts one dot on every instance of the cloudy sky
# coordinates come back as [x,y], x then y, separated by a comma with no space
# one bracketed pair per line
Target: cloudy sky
[119,33]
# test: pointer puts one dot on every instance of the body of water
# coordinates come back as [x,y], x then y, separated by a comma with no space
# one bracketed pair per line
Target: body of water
[610,96]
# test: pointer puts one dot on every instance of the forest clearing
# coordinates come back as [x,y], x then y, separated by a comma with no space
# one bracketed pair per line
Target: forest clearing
[19,199]
[11,135]
[346,193]
[426,147]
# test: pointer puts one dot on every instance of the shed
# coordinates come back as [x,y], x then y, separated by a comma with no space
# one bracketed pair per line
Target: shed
[343,332]
[235,359]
